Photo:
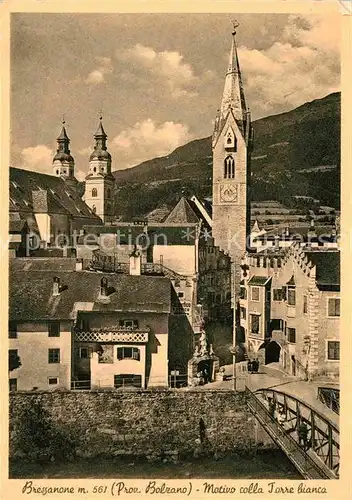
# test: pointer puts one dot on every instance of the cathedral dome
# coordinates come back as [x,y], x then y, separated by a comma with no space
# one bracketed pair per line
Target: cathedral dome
[100,154]
[63,157]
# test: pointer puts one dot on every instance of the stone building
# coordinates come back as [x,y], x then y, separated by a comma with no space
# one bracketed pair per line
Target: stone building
[181,248]
[100,183]
[232,145]
[49,208]
[290,308]
[81,329]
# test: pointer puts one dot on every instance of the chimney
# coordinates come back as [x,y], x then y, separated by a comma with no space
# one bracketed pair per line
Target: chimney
[104,287]
[79,264]
[56,286]
[277,242]
[135,262]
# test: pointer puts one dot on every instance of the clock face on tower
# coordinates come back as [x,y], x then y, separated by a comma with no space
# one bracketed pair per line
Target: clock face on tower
[228,193]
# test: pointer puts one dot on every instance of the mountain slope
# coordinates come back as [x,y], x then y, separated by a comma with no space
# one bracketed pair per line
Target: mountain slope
[295,153]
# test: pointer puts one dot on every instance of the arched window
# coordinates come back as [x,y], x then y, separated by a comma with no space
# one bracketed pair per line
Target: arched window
[57,172]
[94,169]
[94,193]
[94,209]
[229,167]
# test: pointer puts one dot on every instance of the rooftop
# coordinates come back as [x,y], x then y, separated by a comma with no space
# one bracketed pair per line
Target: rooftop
[52,194]
[327,269]
[31,294]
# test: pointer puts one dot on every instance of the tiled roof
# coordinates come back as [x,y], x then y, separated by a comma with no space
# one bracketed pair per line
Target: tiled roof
[16,226]
[31,295]
[327,269]
[42,264]
[60,197]
[259,280]
[298,233]
[182,212]
[158,233]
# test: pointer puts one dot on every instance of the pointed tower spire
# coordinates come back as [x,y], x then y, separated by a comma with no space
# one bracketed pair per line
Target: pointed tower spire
[233,94]
[63,162]
[100,182]
[100,136]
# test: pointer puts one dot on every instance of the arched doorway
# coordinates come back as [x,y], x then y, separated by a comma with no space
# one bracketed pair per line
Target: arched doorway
[272,351]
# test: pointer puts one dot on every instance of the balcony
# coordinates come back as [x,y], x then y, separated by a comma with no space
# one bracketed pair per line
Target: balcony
[114,334]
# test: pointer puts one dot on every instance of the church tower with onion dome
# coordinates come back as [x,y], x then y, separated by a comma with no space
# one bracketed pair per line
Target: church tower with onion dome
[63,162]
[99,183]
[232,145]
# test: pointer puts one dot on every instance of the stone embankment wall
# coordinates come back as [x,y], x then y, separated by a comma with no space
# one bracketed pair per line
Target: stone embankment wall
[138,423]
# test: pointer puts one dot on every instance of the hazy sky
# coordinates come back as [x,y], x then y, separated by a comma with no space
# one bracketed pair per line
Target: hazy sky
[158,78]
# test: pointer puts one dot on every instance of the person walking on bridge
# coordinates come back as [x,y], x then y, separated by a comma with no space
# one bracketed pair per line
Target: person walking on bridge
[303,435]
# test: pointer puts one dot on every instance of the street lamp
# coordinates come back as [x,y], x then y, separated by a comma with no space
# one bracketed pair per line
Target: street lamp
[235,350]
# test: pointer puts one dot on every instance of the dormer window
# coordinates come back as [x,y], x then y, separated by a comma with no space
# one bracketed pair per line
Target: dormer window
[229,167]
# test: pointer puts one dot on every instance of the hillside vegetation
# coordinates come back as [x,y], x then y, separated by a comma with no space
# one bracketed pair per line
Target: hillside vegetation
[295,153]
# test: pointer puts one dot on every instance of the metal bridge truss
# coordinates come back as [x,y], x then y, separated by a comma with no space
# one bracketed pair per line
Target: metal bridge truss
[319,458]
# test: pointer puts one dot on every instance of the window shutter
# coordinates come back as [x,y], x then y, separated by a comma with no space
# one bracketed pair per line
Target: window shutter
[135,323]
[284,293]
[120,353]
[331,308]
[121,322]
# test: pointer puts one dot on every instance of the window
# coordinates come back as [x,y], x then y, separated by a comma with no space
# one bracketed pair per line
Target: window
[12,384]
[180,295]
[291,335]
[84,352]
[333,307]
[12,330]
[53,355]
[333,350]
[129,323]
[54,329]
[243,293]
[255,323]
[14,359]
[94,209]
[127,381]
[305,304]
[57,172]
[291,296]
[53,380]
[128,353]
[229,167]
[94,192]
[255,293]
[243,312]
[277,294]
